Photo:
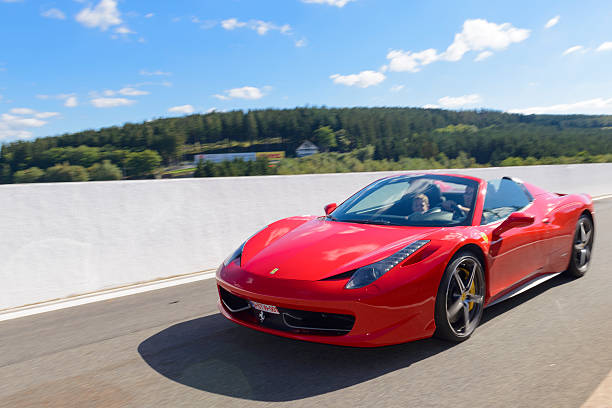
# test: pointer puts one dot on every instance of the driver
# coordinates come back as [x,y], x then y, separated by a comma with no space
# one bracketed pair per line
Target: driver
[463,208]
[420,204]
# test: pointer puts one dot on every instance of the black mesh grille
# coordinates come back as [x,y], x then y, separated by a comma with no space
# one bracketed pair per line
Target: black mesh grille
[289,320]
[232,302]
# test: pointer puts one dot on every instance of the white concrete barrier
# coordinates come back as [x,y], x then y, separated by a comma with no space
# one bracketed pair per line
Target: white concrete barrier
[64,239]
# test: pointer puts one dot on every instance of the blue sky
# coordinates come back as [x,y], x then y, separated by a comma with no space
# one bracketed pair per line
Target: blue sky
[76,64]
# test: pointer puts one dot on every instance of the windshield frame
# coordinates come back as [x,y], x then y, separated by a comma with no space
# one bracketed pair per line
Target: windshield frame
[475,184]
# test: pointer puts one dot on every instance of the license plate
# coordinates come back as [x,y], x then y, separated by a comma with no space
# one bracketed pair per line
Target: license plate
[264,308]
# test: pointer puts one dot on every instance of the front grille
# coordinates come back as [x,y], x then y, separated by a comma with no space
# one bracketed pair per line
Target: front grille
[232,302]
[289,320]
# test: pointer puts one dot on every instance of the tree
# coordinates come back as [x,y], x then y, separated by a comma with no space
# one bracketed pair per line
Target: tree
[343,140]
[104,171]
[142,163]
[66,173]
[6,175]
[324,137]
[200,171]
[31,175]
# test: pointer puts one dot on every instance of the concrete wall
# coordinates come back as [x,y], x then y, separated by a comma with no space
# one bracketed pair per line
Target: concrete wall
[63,239]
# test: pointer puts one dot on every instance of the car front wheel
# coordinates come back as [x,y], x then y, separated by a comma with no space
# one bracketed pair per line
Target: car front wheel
[460,298]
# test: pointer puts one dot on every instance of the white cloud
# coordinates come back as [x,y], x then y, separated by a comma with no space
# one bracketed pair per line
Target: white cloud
[184,109]
[246,92]
[590,106]
[128,90]
[46,115]
[22,111]
[483,55]
[111,102]
[337,3]
[573,49]
[154,73]
[149,15]
[476,35]
[480,35]
[455,102]
[606,46]
[132,92]
[259,26]
[124,30]
[401,61]
[104,15]
[363,79]
[232,23]
[396,88]
[262,27]
[552,22]
[301,43]
[54,13]
[15,125]
[71,102]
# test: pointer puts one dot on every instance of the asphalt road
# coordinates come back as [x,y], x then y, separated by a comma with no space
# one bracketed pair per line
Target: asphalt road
[548,347]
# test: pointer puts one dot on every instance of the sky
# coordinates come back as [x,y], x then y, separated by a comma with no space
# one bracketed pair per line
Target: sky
[70,65]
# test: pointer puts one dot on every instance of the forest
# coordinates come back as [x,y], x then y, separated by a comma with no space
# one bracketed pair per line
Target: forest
[350,139]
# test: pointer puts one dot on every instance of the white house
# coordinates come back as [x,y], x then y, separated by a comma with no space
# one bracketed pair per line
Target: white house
[307,148]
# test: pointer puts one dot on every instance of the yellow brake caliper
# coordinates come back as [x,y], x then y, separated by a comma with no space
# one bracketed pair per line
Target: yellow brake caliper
[472,289]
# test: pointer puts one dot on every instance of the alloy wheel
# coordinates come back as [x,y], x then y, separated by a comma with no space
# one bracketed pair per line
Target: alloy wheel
[465,296]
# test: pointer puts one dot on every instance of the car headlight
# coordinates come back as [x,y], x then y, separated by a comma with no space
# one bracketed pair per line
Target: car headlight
[238,252]
[368,274]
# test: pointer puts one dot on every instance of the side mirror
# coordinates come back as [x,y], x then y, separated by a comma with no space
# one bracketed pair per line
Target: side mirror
[515,220]
[329,208]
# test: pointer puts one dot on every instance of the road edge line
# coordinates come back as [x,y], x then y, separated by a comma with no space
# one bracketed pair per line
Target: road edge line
[106,294]
[602,396]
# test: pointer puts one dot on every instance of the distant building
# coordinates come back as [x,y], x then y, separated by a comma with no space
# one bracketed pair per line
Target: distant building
[273,157]
[306,149]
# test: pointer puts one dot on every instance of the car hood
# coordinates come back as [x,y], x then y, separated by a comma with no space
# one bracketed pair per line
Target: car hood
[317,248]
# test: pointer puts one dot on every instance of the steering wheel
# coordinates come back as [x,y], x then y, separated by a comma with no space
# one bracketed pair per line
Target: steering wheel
[458,212]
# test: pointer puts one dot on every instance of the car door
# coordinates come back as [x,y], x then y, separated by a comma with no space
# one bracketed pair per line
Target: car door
[516,254]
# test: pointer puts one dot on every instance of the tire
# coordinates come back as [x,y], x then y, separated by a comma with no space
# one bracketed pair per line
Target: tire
[459,304]
[582,248]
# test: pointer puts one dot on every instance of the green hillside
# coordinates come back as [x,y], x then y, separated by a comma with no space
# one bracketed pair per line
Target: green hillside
[354,139]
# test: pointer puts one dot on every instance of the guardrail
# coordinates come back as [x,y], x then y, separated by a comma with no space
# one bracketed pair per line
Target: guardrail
[64,239]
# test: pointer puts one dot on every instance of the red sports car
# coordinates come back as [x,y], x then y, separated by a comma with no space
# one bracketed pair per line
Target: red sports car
[405,258]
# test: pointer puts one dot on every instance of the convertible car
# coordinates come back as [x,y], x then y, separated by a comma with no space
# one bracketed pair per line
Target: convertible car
[405,258]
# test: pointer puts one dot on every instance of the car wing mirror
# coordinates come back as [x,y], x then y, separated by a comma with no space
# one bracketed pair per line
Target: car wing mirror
[329,208]
[515,220]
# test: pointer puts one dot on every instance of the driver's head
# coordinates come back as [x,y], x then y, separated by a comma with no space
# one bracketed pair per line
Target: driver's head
[468,196]
[420,204]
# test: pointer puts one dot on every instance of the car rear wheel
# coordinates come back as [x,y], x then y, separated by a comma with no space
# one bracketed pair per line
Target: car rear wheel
[460,299]
[582,247]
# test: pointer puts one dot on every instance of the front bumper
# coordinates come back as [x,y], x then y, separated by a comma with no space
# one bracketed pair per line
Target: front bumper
[382,316]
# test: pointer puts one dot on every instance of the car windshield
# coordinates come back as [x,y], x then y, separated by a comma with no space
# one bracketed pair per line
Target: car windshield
[426,200]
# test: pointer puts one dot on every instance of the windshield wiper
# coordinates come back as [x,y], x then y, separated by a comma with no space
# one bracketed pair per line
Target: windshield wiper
[379,222]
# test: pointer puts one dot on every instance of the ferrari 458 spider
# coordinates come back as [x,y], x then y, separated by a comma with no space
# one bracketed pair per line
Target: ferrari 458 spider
[405,258]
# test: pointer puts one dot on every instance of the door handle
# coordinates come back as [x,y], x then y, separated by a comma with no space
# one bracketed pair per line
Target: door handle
[546,220]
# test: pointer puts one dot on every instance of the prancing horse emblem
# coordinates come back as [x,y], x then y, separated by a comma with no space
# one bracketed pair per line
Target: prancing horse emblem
[273,271]
[261,316]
